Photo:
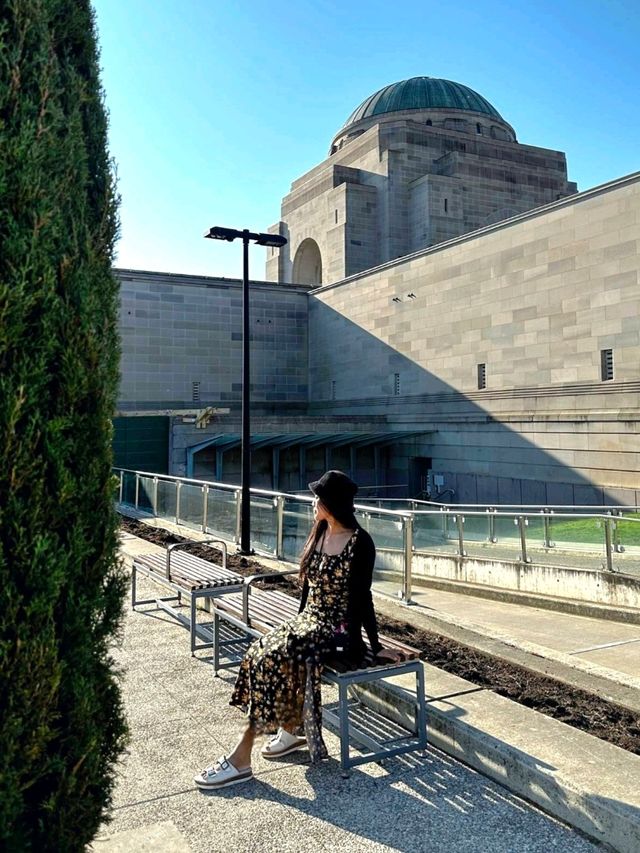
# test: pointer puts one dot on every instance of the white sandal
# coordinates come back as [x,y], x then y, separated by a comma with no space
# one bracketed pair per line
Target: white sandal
[221,775]
[282,744]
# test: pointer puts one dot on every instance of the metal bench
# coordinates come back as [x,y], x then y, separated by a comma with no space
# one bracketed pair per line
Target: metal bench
[240,617]
[188,575]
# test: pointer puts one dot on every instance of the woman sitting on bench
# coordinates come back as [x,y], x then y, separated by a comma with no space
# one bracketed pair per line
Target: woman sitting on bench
[278,685]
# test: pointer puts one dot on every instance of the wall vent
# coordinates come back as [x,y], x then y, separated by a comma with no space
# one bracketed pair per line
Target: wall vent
[482,376]
[606,364]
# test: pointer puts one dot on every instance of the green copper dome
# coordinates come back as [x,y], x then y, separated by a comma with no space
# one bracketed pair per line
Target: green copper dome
[423,93]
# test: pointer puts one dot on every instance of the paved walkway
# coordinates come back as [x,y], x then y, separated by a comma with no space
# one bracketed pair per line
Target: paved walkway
[601,642]
[609,644]
[180,719]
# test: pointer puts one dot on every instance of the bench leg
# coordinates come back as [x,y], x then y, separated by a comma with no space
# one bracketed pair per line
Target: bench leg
[421,708]
[216,641]
[343,710]
[193,625]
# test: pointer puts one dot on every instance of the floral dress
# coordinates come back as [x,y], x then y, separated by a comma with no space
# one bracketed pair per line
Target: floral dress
[280,675]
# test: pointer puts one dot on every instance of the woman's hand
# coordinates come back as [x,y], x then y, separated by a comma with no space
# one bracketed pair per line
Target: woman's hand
[389,656]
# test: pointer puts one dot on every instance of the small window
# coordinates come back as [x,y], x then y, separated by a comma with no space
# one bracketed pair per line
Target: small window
[606,364]
[478,128]
[333,389]
[429,123]
[336,216]
[195,392]
[446,205]
[482,376]
[396,384]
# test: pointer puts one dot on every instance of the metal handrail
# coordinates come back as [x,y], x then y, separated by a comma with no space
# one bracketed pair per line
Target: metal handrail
[407,522]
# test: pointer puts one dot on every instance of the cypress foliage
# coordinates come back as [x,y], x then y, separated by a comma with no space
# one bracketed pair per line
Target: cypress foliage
[62,725]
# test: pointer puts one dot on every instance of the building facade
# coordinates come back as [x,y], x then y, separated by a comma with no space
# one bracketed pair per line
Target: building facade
[494,362]
[417,163]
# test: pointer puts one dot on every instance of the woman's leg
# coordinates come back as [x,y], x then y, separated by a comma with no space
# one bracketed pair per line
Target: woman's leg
[241,755]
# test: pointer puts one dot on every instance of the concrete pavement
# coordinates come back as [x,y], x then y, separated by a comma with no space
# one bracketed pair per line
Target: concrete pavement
[180,720]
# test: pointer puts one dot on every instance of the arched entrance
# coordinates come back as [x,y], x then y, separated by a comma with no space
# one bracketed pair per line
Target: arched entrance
[307,264]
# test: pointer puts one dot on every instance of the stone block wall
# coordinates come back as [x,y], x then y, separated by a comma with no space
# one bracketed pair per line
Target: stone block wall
[177,330]
[535,300]
[475,180]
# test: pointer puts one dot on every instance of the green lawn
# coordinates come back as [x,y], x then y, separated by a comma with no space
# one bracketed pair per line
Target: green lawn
[591,530]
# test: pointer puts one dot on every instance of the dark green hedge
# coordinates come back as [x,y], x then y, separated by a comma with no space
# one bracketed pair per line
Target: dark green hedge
[61,587]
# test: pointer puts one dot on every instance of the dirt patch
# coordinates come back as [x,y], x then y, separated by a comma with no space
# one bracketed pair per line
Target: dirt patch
[577,708]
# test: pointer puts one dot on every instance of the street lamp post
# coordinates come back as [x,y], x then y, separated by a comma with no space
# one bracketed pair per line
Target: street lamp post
[231,234]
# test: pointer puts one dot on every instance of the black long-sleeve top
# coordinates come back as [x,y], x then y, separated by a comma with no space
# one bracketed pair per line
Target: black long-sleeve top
[360,612]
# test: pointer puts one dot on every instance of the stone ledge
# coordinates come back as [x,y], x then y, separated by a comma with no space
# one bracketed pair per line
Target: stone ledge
[586,782]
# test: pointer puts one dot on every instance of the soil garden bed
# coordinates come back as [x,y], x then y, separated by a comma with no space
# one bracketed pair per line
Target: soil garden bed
[577,708]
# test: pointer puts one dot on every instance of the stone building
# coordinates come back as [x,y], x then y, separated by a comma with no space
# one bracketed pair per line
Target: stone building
[416,164]
[496,363]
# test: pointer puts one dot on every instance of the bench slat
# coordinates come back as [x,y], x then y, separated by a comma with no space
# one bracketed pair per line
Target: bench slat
[189,574]
[194,564]
[267,613]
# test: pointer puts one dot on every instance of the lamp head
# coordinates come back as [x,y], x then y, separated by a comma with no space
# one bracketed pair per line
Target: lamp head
[275,240]
[220,233]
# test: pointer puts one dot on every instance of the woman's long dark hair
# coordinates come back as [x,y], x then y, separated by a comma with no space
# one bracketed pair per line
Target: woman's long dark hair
[315,535]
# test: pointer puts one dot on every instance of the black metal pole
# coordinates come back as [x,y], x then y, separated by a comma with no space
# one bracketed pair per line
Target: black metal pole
[245,518]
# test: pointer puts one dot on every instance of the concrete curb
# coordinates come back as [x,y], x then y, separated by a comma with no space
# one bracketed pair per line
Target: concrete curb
[585,782]
[593,610]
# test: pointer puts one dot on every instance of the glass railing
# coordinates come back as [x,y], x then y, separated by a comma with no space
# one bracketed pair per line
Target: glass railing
[414,504]
[221,514]
[297,518]
[388,531]
[190,509]
[626,545]
[167,499]
[281,522]
[264,523]
[435,532]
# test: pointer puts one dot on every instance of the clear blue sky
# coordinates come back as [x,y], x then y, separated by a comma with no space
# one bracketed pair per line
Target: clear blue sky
[216,107]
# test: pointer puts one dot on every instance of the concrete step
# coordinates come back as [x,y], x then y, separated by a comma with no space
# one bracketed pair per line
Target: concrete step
[582,780]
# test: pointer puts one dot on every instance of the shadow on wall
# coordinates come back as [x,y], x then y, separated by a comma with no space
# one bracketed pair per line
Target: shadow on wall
[538,460]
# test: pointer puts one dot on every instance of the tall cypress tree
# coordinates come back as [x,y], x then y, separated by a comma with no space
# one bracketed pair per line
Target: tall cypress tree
[61,586]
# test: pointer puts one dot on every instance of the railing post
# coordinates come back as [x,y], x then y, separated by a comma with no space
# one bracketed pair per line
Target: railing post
[608,544]
[205,507]
[492,524]
[459,520]
[546,521]
[121,494]
[522,523]
[137,489]
[178,490]
[407,536]
[238,513]
[617,548]
[155,497]
[279,502]
[445,525]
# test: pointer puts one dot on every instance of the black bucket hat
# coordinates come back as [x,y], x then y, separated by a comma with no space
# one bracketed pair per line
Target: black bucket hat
[336,491]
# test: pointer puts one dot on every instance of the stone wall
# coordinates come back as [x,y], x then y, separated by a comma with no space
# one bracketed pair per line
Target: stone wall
[536,300]
[177,330]
[366,203]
